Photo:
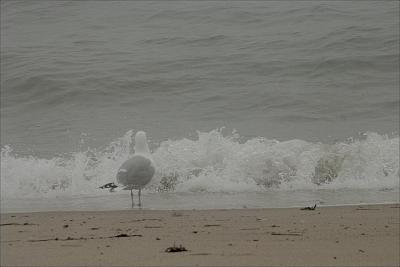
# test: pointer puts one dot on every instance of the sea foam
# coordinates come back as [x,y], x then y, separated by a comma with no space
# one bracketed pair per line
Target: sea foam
[213,162]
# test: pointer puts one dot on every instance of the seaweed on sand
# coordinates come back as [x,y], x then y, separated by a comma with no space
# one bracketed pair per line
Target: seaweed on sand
[174,248]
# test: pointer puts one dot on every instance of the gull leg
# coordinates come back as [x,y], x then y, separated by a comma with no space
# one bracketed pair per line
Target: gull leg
[140,202]
[133,204]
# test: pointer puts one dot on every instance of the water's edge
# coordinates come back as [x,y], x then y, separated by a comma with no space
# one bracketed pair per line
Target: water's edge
[205,201]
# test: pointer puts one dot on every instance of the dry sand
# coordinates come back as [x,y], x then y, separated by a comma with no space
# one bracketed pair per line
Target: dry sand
[349,236]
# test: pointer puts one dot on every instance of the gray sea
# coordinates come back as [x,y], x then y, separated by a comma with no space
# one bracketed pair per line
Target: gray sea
[246,103]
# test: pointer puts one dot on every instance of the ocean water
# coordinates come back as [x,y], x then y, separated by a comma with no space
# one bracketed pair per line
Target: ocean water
[246,104]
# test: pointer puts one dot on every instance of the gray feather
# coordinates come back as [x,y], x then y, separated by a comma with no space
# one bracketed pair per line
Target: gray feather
[136,172]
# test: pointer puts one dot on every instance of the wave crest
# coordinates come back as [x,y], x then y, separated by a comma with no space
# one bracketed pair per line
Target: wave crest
[212,163]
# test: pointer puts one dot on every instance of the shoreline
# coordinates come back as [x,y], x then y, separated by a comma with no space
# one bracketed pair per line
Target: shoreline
[205,209]
[203,201]
[346,235]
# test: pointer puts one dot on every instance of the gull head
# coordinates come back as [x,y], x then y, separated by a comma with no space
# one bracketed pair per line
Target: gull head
[141,146]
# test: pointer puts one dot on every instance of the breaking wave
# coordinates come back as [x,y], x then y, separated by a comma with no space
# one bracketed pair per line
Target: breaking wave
[212,163]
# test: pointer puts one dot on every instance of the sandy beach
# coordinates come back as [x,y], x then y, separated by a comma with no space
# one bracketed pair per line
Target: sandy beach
[338,236]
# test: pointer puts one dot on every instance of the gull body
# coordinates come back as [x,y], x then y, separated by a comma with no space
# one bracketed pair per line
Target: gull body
[136,172]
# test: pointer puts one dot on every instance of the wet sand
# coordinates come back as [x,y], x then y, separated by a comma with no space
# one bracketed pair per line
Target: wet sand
[339,236]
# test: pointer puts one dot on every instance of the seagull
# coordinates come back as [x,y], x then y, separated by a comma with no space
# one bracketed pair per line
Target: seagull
[136,172]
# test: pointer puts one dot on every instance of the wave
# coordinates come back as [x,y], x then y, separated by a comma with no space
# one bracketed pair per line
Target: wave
[212,163]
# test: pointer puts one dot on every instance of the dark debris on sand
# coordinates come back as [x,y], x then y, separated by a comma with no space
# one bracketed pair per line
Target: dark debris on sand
[310,208]
[175,249]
